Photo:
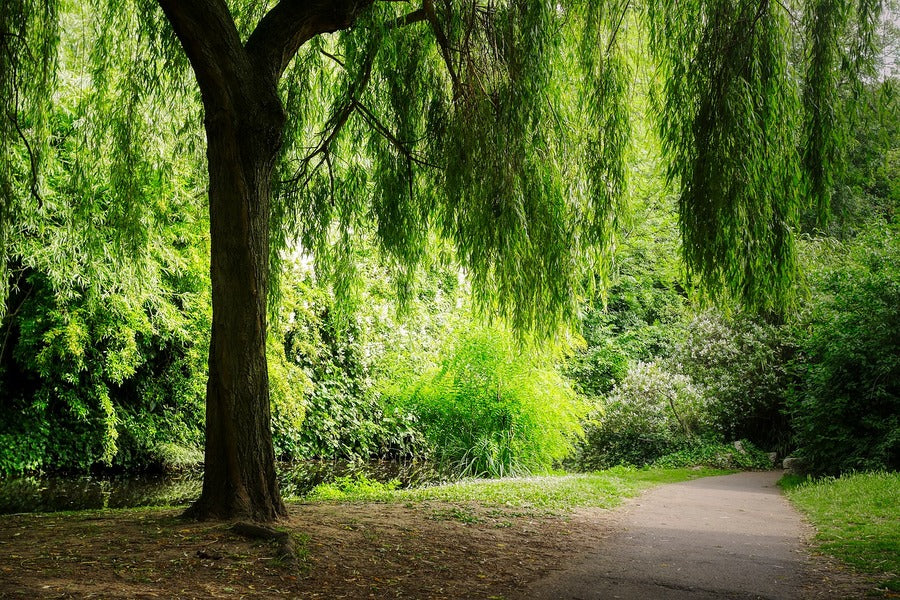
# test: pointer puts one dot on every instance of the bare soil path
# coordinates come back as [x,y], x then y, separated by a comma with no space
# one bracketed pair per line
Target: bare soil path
[732,537]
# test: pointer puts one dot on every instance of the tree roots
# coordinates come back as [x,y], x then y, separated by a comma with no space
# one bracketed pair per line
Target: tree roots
[285,547]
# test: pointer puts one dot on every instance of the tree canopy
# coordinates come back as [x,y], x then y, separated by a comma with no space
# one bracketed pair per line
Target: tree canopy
[502,126]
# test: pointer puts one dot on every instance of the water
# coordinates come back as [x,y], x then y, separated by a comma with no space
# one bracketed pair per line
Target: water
[52,493]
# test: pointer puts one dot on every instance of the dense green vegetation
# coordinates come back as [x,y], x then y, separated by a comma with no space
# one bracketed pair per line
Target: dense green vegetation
[494,408]
[856,519]
[119,379]
[596,312]
[845,406]
[114,377]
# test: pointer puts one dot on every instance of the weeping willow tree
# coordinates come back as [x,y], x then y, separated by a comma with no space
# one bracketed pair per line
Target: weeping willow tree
[501,126]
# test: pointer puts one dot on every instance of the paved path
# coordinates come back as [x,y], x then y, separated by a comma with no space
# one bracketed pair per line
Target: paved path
[732,537]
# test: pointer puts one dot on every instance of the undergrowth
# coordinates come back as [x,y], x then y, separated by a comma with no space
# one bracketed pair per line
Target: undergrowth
[604,489]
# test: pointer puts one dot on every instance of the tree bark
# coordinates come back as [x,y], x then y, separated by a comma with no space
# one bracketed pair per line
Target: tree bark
[239,479]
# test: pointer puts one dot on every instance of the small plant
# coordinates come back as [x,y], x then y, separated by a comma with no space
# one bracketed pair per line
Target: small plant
[351,486]
[456,513]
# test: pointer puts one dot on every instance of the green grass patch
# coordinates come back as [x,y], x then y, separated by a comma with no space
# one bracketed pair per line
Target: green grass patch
[604,489]
[856,518]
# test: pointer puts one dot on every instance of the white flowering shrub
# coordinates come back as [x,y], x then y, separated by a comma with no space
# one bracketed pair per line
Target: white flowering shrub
[740,364]
[650,413]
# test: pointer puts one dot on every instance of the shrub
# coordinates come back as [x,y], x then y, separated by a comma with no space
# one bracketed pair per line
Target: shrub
[493,407]
[324,401]
[112,381]
[711,453]
[596,370]
[287,386]
[348,486]
[739,363]
[847,409]
[650,413]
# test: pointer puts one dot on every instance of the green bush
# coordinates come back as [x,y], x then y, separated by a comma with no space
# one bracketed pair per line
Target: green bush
[740,365]
[649,414]
[112,381]
[596,370]
[493,407]
[325,404]
[846,411]
[711,453]
[349,486]
[288,384]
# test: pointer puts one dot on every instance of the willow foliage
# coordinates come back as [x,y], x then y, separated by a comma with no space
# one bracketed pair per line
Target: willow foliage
[29,32]
[100,145]
[501,126]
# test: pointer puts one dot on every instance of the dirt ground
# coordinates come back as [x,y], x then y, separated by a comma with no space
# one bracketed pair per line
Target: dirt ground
[710,539]
[346,551]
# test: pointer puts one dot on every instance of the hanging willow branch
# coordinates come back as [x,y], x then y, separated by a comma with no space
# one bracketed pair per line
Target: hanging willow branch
[501,126]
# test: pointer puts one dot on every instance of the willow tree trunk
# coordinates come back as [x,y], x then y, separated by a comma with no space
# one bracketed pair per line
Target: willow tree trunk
[239,478]
[244,127]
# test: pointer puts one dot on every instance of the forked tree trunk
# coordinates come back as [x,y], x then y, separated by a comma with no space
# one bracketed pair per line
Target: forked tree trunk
[239,479]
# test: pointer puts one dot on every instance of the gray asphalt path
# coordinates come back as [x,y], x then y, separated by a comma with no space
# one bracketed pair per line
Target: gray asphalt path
[731,537]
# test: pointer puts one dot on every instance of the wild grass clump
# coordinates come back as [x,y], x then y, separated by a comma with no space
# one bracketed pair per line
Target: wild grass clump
[494,407]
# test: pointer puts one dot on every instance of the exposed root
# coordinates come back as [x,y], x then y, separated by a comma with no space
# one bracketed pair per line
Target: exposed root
[285,547]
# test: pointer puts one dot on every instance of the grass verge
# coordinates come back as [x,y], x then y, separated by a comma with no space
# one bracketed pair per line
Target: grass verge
[604,489]
[856,519]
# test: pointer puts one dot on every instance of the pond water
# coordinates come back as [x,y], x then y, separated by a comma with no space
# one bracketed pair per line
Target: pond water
[49,493]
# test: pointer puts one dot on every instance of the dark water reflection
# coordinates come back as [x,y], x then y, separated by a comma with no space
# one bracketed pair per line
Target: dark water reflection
[56,493]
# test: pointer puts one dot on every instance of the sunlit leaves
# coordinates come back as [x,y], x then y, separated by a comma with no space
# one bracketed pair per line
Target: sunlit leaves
[493,408]
[116,138]
[729,123]
[29,33]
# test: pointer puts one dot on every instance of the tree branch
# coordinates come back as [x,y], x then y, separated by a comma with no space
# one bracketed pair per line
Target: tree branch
[291,23]
[612,38]
[333,57]
[14,119]
[387,134]
[443,42]
[212,43]
[352,104]
[416,16]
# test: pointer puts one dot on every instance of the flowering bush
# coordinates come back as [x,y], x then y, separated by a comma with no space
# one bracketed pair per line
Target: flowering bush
[650,413]
[740,364]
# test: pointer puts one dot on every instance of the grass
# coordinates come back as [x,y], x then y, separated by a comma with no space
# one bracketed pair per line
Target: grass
[857,518]
[604,489]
